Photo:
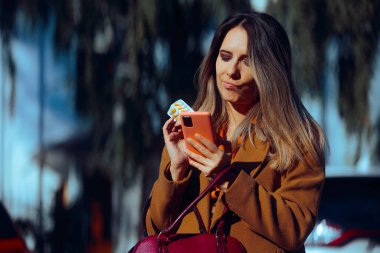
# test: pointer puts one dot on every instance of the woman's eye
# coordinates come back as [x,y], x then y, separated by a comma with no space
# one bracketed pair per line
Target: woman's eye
[245,61]
[225,57]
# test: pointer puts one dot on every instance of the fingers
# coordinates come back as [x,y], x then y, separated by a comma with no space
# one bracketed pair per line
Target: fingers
[201,167]
[199,147]
[206,161]
[197,157]
[182,147]
[202,163]
[172,129]
[166,129]
[210,157]
[177,123]
[207,143]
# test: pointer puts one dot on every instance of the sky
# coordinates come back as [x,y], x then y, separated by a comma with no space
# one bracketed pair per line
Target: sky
[259,5]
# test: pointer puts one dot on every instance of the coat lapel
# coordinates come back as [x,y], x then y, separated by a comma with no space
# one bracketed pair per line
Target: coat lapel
[248,158]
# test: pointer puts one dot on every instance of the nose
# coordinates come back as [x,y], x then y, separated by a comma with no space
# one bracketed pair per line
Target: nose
[233,70]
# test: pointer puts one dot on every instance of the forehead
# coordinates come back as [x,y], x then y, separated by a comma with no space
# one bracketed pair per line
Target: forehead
[236,40]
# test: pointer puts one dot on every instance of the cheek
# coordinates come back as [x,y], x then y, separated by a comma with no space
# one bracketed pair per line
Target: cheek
[218,68]
[218,74]
[247,75]
[219,85]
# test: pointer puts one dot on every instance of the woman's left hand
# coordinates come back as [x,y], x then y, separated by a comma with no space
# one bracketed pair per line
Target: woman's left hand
[211,160]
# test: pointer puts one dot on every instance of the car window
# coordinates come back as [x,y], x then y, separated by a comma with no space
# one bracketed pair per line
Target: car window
[351,202]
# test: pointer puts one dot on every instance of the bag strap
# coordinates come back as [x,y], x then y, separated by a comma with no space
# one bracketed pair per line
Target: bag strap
[177,221]
[143,217]
[202,227]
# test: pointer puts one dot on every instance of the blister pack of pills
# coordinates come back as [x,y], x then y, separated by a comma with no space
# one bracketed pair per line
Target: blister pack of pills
[177,107]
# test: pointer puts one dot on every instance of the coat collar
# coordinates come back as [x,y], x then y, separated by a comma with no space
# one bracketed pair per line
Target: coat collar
[251,152]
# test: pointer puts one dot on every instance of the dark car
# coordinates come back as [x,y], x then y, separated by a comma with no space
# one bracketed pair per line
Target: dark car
[10,238]
[349,215]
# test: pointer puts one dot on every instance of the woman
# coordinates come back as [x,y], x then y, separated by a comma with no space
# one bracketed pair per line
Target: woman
[274,146]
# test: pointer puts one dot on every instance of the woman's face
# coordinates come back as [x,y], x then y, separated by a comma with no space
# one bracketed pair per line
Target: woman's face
[234,76]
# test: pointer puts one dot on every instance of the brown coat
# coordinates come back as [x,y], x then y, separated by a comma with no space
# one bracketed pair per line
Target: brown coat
[275,211]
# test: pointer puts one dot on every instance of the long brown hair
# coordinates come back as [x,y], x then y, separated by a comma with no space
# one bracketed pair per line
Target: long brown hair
[281,118]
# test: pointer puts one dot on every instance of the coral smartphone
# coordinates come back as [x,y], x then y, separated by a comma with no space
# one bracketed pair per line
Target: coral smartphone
[196,122]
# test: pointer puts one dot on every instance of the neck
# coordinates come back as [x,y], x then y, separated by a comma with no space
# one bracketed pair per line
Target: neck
[236,114]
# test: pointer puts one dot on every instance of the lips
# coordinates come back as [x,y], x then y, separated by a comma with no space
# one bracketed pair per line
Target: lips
[229,86]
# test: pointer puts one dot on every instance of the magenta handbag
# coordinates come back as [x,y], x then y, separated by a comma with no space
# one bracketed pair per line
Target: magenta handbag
[168,242]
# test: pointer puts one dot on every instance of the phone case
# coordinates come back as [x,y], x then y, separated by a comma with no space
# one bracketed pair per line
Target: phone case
[201,124]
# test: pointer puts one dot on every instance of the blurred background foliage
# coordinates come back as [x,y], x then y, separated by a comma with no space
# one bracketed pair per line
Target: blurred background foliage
[310,25]
[133,58]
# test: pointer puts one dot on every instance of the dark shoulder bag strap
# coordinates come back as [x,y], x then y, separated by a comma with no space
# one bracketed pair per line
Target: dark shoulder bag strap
[191,206]
[143,217]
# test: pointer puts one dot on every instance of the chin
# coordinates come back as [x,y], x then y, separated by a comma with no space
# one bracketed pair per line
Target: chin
[234,101]
[237,102]
[231,100]
[230,97]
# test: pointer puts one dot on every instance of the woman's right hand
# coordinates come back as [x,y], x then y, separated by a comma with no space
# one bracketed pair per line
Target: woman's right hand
[174,142]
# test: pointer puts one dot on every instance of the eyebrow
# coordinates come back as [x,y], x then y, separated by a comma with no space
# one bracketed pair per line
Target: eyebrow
[224,51]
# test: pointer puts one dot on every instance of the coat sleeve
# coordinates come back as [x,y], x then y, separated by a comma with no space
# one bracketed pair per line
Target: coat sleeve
[285,216]
[166,198]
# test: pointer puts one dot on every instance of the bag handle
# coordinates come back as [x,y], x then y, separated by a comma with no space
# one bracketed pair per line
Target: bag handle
[171,228]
